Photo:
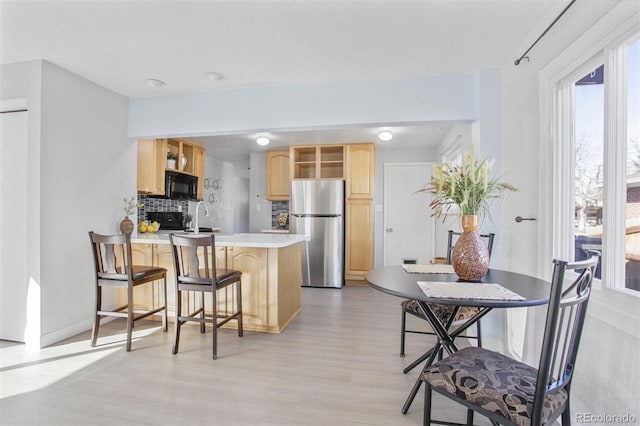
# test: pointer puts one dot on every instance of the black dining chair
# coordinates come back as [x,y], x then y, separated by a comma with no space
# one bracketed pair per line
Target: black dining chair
[511,392]
[443,312]
[114,268]
[194,258]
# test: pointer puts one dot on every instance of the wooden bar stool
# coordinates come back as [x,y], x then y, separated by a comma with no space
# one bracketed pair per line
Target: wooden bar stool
[195,264]
[114,268]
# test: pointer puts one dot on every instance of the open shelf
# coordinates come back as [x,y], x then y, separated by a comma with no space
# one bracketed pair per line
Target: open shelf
[319,161]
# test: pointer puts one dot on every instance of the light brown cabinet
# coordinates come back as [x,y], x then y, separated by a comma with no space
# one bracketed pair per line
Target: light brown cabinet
[278,180]
[359,219]
[153,161]
[360,170]
[271,279]
[317,162]
[199,170]
[253,262]
[148,296]
[358,238]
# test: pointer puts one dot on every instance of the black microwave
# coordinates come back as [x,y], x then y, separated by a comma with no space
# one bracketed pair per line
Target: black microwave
[180,186]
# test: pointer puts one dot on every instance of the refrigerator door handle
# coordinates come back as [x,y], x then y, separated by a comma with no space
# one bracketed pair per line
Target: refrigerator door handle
[314,215]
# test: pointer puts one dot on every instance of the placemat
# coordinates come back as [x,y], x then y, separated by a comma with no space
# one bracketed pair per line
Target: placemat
[428,269]
[465,290]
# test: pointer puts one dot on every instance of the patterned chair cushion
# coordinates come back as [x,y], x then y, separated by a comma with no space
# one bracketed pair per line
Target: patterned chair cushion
[494,382]
[443,312]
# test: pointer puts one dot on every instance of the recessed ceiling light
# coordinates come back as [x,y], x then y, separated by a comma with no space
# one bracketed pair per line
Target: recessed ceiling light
[263,140]
[385,135]
[152,82]
[213,76]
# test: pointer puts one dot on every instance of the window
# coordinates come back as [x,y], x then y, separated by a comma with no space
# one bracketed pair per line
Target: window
[588,143]
[597,166]
[632,210]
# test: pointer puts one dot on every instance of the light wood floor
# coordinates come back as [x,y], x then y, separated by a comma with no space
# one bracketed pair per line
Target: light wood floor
[336,364]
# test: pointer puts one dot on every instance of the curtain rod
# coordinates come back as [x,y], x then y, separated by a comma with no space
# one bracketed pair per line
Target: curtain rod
[524,55]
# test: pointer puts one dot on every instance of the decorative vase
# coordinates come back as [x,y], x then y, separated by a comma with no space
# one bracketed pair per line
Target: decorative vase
[183,164]
[171,163]
[470,257]
[127,225]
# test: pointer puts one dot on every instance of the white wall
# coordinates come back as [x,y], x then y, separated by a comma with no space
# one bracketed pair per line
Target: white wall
[259,206]
[88,165]
[607,375]
[276,108]
[220,192]
[241,204]
[81,164]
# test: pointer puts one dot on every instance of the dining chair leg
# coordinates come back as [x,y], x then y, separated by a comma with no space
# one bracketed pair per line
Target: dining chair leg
[403,327]
[566,415]
[129,316]
[96,318]
[469,417]
[214,338]
[176,338]
[165,318]
[202,330]
[239,306]
[479,331]
[426,420]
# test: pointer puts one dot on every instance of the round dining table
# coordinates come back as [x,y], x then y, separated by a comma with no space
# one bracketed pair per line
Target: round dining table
[395,280]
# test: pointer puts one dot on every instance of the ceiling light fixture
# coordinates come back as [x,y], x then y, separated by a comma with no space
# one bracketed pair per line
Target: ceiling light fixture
[152,82]
[213,76]
[263,140]
[385,135]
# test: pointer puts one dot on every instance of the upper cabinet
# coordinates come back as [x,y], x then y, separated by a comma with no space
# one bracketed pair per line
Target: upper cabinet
[152,162]
[155,156]
[360,170]
[317,162]
[199,169]
[278,180]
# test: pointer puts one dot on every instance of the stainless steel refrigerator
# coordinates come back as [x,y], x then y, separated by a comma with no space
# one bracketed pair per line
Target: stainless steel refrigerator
[317,210]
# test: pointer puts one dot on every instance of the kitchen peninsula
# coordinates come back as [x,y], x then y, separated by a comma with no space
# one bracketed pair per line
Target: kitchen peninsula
[271,275]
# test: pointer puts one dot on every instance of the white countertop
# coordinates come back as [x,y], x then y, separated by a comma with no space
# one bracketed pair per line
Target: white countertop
[265,240]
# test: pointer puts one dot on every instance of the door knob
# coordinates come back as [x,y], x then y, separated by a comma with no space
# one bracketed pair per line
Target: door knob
[520,218]
[389,229]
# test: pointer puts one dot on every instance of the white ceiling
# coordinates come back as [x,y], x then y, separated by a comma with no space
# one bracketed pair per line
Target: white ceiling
[118,44]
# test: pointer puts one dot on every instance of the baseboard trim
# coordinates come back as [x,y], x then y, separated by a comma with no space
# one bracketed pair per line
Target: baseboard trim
[56,336]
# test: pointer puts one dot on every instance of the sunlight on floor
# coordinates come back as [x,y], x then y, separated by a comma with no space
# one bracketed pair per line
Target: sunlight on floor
[23,369]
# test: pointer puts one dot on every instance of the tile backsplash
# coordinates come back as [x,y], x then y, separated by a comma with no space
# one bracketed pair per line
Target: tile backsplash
[278,207]
[151,204]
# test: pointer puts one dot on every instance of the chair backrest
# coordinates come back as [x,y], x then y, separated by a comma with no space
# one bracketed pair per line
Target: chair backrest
[194,258]
[112,256]
[450,243]
[563,329]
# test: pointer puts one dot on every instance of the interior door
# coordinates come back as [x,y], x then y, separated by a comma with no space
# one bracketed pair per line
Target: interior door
[16,299]
[408,226]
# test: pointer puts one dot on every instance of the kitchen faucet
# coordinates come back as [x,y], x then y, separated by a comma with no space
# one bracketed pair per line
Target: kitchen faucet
[206,213]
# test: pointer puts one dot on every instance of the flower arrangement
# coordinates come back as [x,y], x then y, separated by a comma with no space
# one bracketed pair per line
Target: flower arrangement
[468,185]
[130,205]
[171,156]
